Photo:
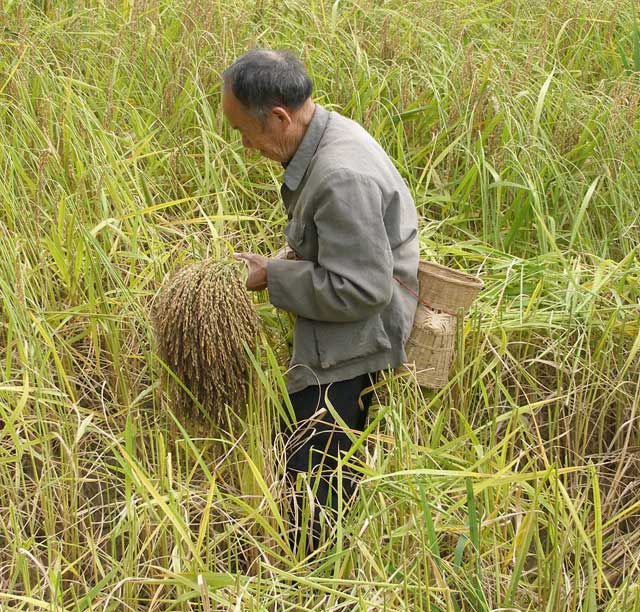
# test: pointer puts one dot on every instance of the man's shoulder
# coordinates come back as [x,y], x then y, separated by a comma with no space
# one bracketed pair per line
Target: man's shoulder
[347,149]
[348,153]
[337,119]
[342,130]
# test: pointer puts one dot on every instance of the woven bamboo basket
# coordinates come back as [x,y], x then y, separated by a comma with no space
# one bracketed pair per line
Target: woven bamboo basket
[430,346]
[442,294]
[445,289]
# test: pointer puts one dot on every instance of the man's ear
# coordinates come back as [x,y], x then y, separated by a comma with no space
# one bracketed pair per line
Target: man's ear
[281,116]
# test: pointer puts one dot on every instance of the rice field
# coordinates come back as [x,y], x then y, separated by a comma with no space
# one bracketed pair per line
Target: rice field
[516,125]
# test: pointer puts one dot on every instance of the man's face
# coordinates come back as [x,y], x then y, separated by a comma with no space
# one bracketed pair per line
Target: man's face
[267,136]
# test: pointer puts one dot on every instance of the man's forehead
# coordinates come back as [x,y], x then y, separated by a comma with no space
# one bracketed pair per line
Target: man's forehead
[227,102]
[231,106]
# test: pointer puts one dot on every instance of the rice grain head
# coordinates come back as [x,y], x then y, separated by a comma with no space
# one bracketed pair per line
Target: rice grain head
[201,317]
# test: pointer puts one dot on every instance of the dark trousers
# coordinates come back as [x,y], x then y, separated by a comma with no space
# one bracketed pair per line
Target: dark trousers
[314,445]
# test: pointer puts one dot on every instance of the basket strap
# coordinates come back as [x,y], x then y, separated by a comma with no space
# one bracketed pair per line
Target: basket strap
[426,304]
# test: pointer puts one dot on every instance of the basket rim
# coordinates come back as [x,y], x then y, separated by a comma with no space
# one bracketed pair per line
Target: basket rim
[449,275]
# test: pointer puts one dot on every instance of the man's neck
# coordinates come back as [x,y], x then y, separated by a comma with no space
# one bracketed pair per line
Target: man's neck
[302,118]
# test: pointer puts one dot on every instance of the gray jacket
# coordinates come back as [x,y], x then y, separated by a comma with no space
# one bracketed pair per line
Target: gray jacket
[353,222]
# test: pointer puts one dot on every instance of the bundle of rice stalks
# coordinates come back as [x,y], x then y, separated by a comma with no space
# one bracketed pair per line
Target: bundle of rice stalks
[201,317]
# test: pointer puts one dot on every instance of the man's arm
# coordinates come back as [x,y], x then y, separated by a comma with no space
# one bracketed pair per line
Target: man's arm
[354,274]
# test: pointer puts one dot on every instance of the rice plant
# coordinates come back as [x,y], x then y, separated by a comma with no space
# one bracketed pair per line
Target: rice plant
[516,126]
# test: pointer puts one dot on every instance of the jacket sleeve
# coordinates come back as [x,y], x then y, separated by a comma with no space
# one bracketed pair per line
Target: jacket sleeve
[354,274]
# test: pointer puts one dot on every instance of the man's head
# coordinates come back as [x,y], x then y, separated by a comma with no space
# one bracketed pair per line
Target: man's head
[266,96]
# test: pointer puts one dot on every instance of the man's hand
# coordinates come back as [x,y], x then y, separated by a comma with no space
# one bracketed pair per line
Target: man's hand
[257,265]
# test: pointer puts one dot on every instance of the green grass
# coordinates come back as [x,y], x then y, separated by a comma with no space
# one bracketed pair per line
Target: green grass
[516,125]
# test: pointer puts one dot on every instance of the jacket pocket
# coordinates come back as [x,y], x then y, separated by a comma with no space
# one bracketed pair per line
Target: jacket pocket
[337,343]
[294,232]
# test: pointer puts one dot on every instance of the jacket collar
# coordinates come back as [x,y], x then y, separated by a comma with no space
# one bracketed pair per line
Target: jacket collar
[297,167]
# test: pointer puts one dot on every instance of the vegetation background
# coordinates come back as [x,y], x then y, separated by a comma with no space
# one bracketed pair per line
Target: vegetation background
[516,125]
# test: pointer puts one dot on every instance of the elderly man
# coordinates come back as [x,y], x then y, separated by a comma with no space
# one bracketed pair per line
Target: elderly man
[352,272]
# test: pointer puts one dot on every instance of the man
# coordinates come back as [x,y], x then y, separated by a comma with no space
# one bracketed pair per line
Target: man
[352,272]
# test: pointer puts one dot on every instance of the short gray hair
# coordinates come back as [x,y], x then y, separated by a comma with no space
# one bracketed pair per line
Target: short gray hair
[263,78]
